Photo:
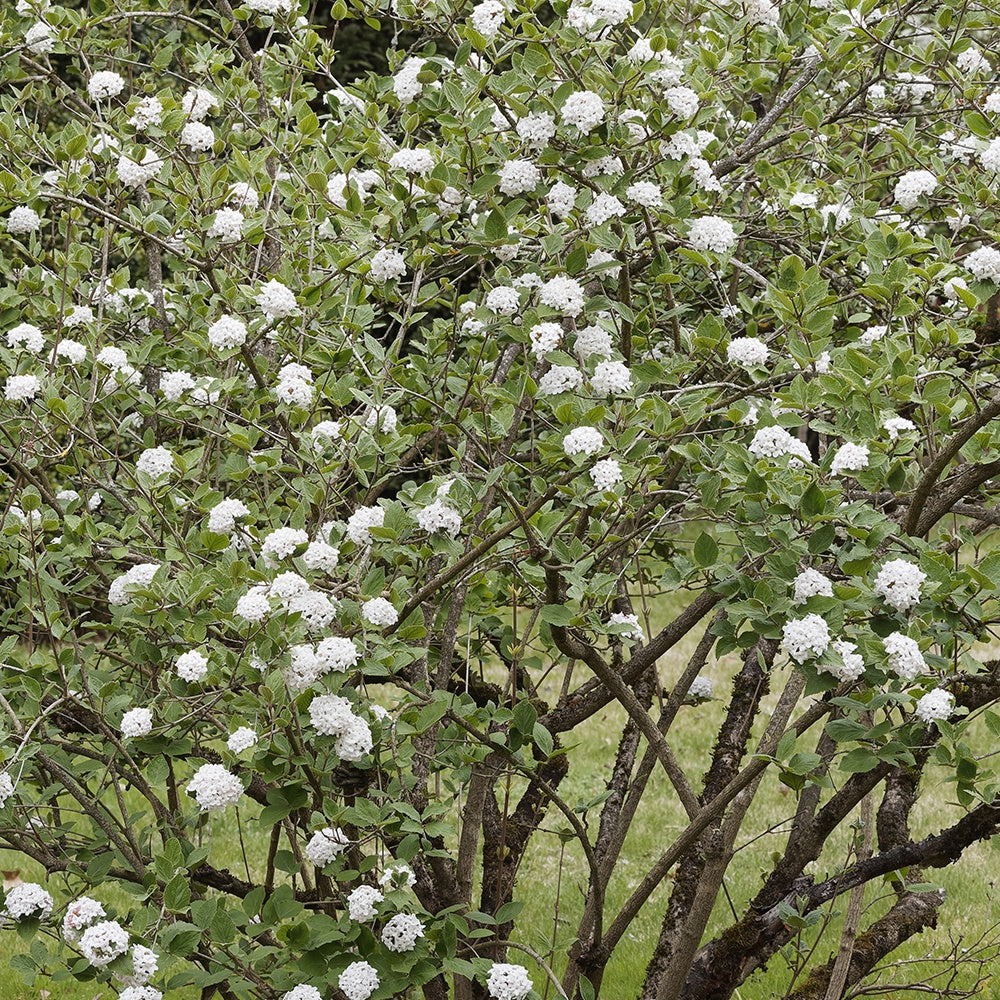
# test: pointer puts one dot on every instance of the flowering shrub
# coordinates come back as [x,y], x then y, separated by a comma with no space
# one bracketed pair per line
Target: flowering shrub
[364,441]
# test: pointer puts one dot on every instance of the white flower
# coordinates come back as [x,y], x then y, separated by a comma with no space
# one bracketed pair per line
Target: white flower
[559,379]
[243,195]
[23,220]
[712,233]
[173,385]
[148,112]
[508,982]
[140,575]
[144,965]
[381,418]
[545,337]
[28,900]
[254,606]
[401,932]
[361,521]
[899,582]
[805,199]
[197,136]
[873,334]
[294,392]
[405,84]
[583,110]
[852,666]
[518,177]
[223,516]
[155,462]
[214,788]
[321,556]
[952,286]
[330,714]
[303,670]
[488,17]
[503,300]
[358,981]
[803,638]
[762,12]
[748,351]
[198,103]
[936,704]
[227,225]
[593,340]
[584,15]
[611,377]
[849,458]
[701,687]
[564,294]
[80,915]
[281,544]
[191,666]
[337,653]
[583,441]
[895,426]
[904,655]
[438,516]
[102,943]
[355,741]
[6,787]
[21,388]
[135,174]
[397,876]
[911,186]
[606,473]
[632,630]
[325,432]
[276,300]
[537,128]
[140,992]
[645,193]
[137,722]
[72,350]
[378,611]
[27,336]
[972,61]
[361,903]
[387,265]
[38,39]
[303,992]
[413,161]
[241,740]
[78,316]
[603,208]
[325,845]
[990,156]
[811,583]
[984,263]
[104,84]
[561,198]
[682,101]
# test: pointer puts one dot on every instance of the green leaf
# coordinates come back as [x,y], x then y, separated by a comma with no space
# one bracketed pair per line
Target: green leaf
[813,501]
[706,550]
[557,614]
[543,739]
[845,730]
[177,894]
[496,226]
[859,761]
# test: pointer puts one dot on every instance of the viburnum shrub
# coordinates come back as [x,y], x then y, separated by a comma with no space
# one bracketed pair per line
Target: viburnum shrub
[372,446]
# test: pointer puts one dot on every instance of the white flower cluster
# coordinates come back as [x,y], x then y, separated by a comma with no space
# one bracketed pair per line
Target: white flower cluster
[894,426]
[775,441]
[611,377]
[508,982]
[911,186]
[544,337]
[701,688]
[6,787]
[378,611]
[398,876]
[21,388]
[325,845]
[28,901]
[488,17]
[241,740]
[144,965]
[583,441]
[281,544]
[559,379]
[197,103]
[438,516]
[360,523]
[294,385]
[223,516]
[603,208]
[849,458]
[276,301]
[331,715]
[137,722]
[935,705]
[519,177]
[102,943]
[387,265]
[321,556]
[632,630]
[712,233]
[23,220]
[645,193]
[381,418]
[536,128]
[38,39]
[134,173]
[851,666]
[358,981]
[682,101]
[583,110]
[503,300]
[191,666]
[564,294]
[361,903]
[25,335]
[214,788]
[140,575]
[104,84]
[747,351]
[606,473]
[401,932]
[303,992]
[561,198]
[417,161]
[811,583]
[155,462]
[803,638]
[79,916]
[904,655]
[899,582]
[227,225]
[984,264]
